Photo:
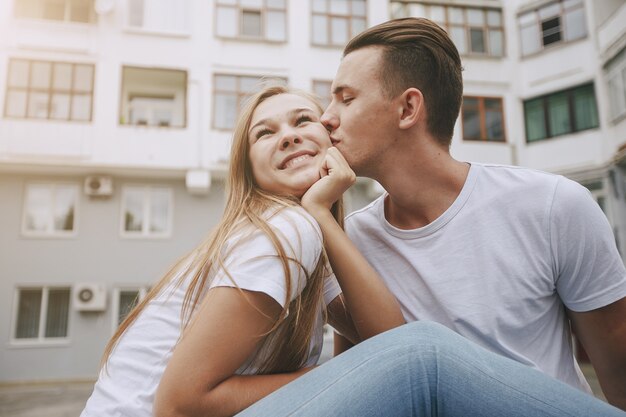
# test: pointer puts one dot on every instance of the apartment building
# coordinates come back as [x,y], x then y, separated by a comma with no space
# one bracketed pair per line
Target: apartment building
[116,117]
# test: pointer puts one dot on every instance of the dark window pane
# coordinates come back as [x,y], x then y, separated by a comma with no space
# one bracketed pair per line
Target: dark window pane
[585,108]
[471,124]
[493,123]
[535,120]
[558,114]
[128,300]
[28,312]
[58,311]
[470,102]
[551,29]
[477,37]
[602,203]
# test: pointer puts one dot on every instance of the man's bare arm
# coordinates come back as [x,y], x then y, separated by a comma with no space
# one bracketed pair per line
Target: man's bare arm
[603,335]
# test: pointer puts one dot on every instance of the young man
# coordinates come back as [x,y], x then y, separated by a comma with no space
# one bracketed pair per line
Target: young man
[507,257]
[501,255]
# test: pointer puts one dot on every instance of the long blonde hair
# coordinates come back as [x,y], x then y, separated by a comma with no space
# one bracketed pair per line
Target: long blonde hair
[247,205]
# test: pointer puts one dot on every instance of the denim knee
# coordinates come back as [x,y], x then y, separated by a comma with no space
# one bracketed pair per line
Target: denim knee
[425,333]
[424,342]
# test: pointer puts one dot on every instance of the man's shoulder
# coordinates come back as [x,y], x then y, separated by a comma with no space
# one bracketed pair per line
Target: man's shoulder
[517,178]
[365,215]
[531,174]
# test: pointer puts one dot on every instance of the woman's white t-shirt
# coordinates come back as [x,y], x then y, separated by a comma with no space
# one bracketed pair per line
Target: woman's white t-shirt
[136,365]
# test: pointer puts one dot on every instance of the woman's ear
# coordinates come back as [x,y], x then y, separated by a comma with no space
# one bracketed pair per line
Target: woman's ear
[412,102]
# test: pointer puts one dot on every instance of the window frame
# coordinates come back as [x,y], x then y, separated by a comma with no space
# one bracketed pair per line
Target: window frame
[483,121]
[263,10]
[328,15]
[242,96]
[570,108]
[40,340]
[50,91]
[466,26]
[67,13]
[146,200]
[615,69]
[324,102]
[540,32]
[51,234]
[156,95]
[115,305]
[184,33]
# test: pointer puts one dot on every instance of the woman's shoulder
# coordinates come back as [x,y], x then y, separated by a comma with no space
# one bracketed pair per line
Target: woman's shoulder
[292,217]
[291,224]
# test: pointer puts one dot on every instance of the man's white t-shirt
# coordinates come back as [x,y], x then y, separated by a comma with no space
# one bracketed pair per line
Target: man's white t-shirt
[135,368]
[500,264]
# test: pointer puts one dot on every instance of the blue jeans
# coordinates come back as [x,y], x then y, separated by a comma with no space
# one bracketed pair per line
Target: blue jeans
[425,369]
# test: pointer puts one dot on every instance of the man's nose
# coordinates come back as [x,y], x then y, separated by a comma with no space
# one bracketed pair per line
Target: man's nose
[329,120]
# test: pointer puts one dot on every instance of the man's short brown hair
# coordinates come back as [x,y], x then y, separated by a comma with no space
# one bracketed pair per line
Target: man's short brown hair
[420,54]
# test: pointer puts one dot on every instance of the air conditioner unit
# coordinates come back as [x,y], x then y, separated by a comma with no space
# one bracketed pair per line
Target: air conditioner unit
[98,186]
[89,297]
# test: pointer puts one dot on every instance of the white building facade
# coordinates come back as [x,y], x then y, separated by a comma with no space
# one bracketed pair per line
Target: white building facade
[116,118]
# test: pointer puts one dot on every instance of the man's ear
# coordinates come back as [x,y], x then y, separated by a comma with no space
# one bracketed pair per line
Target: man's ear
[412,102]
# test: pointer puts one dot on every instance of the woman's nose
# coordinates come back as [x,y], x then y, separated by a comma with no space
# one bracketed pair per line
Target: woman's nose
[289,138]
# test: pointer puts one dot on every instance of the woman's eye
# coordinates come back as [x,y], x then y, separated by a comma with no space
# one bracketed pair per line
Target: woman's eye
[262,133]
[302,119]
[347,100]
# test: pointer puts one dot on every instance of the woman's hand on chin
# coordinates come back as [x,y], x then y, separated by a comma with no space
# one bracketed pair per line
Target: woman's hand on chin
[336,177]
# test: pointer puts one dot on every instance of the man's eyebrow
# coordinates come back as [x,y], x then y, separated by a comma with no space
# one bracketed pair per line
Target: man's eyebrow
[290,113]
[339,89]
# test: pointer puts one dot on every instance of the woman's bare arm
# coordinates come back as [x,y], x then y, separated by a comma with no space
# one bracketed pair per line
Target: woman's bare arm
[371,305]
[199,379]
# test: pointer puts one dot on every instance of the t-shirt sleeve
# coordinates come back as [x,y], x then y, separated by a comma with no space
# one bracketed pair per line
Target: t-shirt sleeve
[589,270]
[331,287]
[252,262]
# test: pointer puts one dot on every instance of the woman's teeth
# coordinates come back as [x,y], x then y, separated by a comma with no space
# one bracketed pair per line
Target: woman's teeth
[297,160]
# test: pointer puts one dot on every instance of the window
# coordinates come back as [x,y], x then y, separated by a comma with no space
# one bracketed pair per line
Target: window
[49,90]
[553,23]
[474,30]
[252,19]
[615,72]
[153,97]
[81,11]
[322,90]
[50,210]
[335,22]
[41,314]
[561,113]
[483,119]
[146,212]
[164,16]
[124,300]
[600,193]
[231,92]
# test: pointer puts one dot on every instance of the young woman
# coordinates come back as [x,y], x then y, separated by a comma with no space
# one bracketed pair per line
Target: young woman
[242,314]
